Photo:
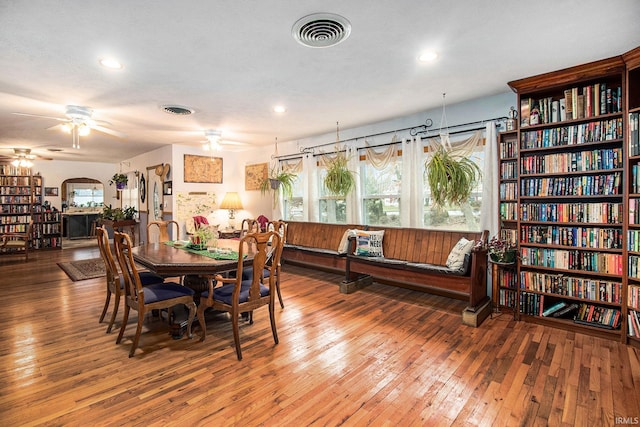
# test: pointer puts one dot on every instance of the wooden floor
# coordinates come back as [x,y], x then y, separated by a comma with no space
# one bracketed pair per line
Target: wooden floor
[380,356]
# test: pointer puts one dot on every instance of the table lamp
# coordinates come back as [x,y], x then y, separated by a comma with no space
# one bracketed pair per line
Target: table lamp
[232,202]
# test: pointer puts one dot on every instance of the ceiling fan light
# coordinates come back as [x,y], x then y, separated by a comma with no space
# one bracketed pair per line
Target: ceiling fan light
[16,162]
[83,129]
[111,63]
[67,127]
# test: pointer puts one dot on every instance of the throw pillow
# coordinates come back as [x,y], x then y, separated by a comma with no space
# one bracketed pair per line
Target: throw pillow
[369,243]
[343,246]
[455,260]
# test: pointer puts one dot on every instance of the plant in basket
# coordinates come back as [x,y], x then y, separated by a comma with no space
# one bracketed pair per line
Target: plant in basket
[502,251]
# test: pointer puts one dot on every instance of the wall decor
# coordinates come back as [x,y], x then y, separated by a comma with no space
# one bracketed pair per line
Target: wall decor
[203,169]
[192,204]
[143,189]
[254,175]
[50,191]
[167,188]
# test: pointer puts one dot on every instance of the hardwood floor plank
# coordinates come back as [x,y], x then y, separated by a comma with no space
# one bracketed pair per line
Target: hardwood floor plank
[380,356]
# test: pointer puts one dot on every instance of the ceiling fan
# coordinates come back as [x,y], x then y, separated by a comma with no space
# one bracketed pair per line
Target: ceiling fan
[79,123]
[214,141]
[22,157]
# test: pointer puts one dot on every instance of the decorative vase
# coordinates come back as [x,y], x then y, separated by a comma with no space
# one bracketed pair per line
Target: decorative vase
[120,185]
[274,183]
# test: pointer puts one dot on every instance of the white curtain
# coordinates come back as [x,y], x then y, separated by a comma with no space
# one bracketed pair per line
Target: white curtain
[411,189]
[310,201]
[354,208]
[489,218]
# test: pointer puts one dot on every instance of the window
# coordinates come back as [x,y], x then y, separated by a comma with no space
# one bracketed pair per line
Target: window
[381,193]
[294,207]
[332,209]
[466,217]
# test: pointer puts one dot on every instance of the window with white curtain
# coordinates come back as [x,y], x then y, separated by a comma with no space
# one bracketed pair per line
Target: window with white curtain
[459,217]
[293,207]
[332,209]
[381,182]
[130,193]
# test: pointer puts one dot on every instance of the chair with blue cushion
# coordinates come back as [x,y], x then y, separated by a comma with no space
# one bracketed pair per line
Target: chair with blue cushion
[115,281]
[236,295]
[144,299]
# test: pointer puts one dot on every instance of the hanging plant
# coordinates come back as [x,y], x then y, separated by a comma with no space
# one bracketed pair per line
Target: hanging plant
[451,179]
[120,180]
[277,181]
[339,180]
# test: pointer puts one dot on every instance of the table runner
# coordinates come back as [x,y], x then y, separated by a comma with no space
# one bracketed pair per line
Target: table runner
[231,255]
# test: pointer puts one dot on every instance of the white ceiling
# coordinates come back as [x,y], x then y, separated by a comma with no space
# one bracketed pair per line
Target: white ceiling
[233,60]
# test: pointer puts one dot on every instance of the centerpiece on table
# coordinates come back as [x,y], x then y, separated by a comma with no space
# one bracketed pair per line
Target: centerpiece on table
[502,251]
[204,236]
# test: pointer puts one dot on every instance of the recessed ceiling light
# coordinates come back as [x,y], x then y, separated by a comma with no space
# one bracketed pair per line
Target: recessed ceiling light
[427,57]
[111,63]
[280,109]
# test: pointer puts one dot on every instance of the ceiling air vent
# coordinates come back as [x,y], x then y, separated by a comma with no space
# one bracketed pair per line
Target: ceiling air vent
[321,30]
[177,110]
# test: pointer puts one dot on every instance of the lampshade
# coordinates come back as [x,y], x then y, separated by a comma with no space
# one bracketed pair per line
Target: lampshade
[231,201]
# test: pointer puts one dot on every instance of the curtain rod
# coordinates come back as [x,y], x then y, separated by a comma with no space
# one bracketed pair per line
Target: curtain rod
[413,131]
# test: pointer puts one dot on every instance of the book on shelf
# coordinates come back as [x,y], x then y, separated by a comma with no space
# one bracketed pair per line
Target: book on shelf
[633,320]
[566,311]
[554,308]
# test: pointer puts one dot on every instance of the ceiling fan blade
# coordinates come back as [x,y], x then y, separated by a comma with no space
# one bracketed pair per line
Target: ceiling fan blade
[41,117]
[225,142]
[109,131]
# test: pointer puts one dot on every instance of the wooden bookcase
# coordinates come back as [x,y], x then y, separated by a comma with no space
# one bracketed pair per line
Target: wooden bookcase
[505,278]
[632,247]
[21,201]
[572,184]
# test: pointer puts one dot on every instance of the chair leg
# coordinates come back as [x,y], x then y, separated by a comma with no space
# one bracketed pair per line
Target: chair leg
[272,317]
[125,320]
[136,338]
[106,306]
[236,334]
[201,321]
[192,314]
[116,305]
[278,288]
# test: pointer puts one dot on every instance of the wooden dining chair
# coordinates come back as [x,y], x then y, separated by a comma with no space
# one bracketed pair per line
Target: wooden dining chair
[144,299]
[114,280]
[249,225]
[237,296]
[17,243]
[163,228]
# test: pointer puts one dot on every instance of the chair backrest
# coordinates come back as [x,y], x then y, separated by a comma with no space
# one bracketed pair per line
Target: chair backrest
[199,220]
[258,244]
[163,230]
[263,221]
[107,256]
[249,225]
[133,285]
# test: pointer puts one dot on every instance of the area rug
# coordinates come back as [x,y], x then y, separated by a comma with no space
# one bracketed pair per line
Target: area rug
[84,269]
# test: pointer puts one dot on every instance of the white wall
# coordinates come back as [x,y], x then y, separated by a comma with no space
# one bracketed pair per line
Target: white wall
[55,172]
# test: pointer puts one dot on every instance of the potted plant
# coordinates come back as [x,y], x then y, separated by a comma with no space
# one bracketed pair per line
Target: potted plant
[502,251]
[204,235]
[451,178]
[118,214]
[278,180]
[339,180]
[120,180]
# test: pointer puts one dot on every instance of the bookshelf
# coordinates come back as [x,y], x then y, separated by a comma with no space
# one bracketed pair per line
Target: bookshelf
[505,277]
[21,201]
[632,249]
[571,204]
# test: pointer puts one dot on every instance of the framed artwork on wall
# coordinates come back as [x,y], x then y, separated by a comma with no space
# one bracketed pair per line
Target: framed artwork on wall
[254,175]
[167,188]
[50,191]
[202,169]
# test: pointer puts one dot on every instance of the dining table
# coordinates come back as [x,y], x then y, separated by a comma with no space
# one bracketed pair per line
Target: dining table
[197,266]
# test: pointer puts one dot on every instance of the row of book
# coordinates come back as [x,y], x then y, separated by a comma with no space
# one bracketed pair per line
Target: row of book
[507,277]
[507,298]
[508,211]
[633,240]
[9,169]
[47,242]
[48,228]
[15,199]
[595,213]
[509,235]
[509,170]
[633,324]
[633,268]
[572,260]
[581,237]
[634,134]
[13,228]
[12,219]
[508,149]
[580,161]
[597,131]
[576,103]
[47,216]
[635,178]
[15,181]
[634,296]
[584,185]
[14,208]
[579,287]
[596,315]
[508,190]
